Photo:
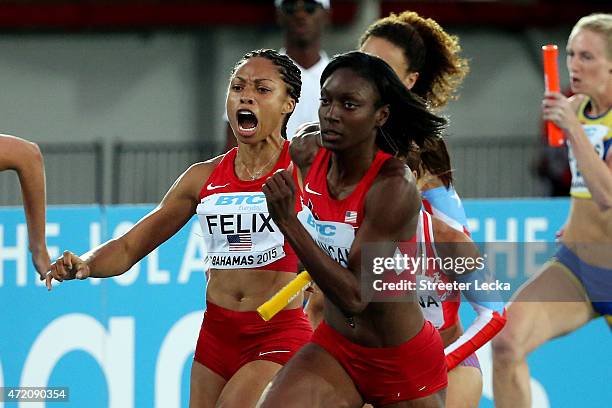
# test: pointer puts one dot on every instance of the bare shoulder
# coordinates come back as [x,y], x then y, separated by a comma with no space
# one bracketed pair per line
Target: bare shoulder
[303,148]
[204,166]
[395,173]
[577,100]
[394,189]
[196,175]
[394,167]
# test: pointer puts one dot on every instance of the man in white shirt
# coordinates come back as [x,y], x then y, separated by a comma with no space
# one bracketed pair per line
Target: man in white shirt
[303,23]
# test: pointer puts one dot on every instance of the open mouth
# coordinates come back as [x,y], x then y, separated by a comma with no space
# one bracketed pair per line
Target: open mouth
[247,121]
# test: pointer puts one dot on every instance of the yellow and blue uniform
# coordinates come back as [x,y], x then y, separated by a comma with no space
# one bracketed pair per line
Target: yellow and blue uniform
[599,131]
[596,281]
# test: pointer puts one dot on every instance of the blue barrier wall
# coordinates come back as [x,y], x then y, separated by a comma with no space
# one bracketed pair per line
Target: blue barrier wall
[128,341]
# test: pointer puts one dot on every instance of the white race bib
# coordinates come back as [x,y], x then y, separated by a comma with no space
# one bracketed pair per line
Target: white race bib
[335,238]
[238,231]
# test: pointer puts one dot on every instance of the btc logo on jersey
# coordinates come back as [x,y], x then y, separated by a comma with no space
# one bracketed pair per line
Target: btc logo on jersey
[240,199]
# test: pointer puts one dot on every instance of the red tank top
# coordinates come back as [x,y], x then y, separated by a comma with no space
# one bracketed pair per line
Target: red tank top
[238,230]
[333,223]
[349,210]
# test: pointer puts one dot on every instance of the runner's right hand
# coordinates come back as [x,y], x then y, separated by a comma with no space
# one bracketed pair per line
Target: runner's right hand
[67,267]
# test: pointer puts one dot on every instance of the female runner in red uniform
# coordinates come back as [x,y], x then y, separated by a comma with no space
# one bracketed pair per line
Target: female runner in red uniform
[384,352]
[237,353]
[428,62]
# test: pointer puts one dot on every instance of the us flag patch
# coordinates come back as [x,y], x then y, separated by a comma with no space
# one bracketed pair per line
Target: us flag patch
[350,216]
[240,242]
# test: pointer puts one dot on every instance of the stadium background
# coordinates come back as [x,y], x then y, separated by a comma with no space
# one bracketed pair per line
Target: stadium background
[123,95]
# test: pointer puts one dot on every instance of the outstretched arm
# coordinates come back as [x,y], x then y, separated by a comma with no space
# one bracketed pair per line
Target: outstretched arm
[118,255]
[26,159]
[597,173]
[384,221]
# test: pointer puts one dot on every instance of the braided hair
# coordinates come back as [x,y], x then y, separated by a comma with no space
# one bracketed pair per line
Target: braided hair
[409,118]
[429,50]
[289,72]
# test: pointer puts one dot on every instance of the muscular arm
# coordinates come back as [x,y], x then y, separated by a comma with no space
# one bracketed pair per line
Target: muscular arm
[26,159]
[176,208]
[118,255]
[597,173]
[385,221]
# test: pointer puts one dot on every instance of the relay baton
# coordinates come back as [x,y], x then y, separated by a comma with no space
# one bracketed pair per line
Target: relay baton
[284,296]
[551,83]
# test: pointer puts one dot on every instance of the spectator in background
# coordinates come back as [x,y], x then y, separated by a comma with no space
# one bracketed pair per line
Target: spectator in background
[303,23]
[26,159]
